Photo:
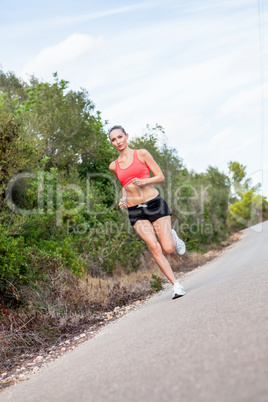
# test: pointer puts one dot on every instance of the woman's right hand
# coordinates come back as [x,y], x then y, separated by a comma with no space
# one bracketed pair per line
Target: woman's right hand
[123,203]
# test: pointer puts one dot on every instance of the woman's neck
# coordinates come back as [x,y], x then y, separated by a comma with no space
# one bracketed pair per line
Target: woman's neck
[125,152]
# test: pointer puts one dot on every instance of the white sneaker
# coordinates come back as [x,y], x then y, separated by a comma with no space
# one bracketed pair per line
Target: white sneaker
[180,245]
[177,290]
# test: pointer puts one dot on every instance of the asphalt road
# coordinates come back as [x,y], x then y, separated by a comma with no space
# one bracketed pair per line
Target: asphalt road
[210,345]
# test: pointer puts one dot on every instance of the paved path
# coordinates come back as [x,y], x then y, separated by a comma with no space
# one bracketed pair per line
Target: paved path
[210,345]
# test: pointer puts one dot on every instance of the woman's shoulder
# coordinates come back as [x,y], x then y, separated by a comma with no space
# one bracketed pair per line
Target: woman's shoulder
[143,153]
[112,166]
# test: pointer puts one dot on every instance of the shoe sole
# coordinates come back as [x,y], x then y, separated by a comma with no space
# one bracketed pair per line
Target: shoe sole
[177,296]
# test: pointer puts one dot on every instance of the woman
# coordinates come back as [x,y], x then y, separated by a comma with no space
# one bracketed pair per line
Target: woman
[148,212]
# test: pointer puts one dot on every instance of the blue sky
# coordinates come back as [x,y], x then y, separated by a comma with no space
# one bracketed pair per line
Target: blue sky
[191,66]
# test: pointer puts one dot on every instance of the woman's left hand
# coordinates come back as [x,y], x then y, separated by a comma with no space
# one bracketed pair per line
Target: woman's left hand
[139,182]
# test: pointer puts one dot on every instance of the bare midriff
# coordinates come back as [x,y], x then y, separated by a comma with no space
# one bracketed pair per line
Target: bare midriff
[137,195]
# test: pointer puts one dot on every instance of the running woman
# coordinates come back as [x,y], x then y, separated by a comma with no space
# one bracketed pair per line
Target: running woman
[148,212]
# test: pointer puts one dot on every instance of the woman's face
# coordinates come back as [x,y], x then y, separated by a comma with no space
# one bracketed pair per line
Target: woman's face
[118,139]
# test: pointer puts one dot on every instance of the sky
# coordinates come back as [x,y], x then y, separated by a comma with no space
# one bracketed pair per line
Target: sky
[197,68]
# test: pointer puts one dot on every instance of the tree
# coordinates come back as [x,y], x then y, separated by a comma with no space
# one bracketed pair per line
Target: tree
[16,152]
[61,123]
[13,87]
[247,207]
[239,180]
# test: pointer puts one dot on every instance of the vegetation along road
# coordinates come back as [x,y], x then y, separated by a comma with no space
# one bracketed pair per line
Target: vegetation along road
[210,345]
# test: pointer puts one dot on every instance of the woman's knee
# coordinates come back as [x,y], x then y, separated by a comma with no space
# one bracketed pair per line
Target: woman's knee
[155,248]
[169,248]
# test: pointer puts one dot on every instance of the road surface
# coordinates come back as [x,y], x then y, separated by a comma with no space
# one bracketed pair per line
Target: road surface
[210,345]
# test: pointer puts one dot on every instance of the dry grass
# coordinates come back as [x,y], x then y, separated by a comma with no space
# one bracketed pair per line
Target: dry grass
[61,307]
[64,305]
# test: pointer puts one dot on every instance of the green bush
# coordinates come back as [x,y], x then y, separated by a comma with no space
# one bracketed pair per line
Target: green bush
[156,283]
[14,262]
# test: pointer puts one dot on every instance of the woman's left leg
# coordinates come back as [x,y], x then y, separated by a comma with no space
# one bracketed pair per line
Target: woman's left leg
[162,227]
[146,231]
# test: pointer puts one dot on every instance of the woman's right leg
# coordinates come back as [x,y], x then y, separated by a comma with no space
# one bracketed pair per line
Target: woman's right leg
[146,231]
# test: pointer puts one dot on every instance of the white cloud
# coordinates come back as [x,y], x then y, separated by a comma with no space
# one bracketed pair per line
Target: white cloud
[67,51]
[221,140]
[245,103]
[30,26]
[211,5]
[246,144]
[101,14]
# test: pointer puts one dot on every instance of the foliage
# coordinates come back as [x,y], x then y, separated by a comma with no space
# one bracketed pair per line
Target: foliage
[13,258]
[156,283]
[247,207]
[60,121]
[12,143]
[14,89]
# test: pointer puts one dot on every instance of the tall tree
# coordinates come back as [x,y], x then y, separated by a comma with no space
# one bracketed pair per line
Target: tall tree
[62,123]
[247,206]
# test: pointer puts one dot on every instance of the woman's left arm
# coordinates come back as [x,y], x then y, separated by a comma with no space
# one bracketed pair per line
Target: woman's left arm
[147,158]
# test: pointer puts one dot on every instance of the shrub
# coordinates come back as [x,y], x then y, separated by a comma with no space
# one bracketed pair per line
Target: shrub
[13,259]
[156,283]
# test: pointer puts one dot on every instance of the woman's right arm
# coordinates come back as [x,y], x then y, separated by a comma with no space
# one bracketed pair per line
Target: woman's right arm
[112,168]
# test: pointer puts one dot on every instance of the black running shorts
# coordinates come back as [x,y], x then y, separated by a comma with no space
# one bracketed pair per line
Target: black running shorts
[150,210]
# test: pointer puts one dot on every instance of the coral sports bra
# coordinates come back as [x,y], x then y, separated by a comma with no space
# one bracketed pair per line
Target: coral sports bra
[137,169]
